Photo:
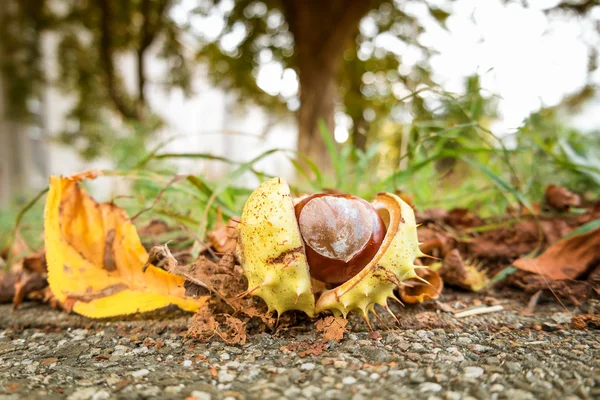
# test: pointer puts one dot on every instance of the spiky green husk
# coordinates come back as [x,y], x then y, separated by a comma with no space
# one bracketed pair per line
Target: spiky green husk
[271,250]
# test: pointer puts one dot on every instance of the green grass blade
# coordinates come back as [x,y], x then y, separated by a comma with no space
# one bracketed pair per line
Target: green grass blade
[334,155]
[18,221]
[501,183]
[585,228]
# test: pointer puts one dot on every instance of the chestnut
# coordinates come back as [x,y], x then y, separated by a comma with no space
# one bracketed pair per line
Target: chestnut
[290,248]
[341,233]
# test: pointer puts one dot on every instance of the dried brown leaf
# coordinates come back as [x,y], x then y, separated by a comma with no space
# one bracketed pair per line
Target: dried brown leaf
[7,286]
[223,237]
[221,279]
[560,198]
[333,328]
[573,291]
[205,325]
[567,259]
[586,321]
[455,271]
[305,347]
[416,291]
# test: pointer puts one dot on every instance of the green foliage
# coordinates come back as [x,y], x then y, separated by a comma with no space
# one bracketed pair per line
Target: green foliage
[21,24]
[92,35]
[369,80]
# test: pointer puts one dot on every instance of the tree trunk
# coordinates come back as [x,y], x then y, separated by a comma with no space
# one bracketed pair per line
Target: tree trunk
[317,99]
[15,160]
[322,31]
[360,127]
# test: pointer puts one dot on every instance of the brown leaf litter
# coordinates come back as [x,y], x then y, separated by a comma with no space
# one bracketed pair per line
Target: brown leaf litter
[428,287]
[460,238]
[454,271]
[26,279]
[560,198]
[223,237]
[332,328]
[305,347]
[566,259]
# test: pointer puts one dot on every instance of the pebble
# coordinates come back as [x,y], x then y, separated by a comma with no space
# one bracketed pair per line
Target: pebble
[513,366]
[375,376]
[233,365]
[140,373]
[197,395]
[453,396]
[349,380]
[413,363]
[292,391]
[430,387]
[307,366]
[473,372]
[311,391]
[174,389]
[90,393]
[225,377]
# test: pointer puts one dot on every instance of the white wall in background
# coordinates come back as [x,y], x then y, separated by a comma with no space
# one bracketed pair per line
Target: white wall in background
[208,121]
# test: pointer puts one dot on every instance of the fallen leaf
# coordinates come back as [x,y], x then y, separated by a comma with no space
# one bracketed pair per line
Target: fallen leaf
[566,259]
[205,325]
[27,278]
[7,286]
[560,198]
[235,331]
[333,328]
[463,217]
[223,237]
[419,290]
[306,347]
[456,272]
[28,282]
[586,321]
[514,240]
[573,291]
[222,279]
[31,278]
[93,248]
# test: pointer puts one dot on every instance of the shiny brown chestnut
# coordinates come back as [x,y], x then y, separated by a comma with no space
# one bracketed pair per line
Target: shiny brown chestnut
[341,232]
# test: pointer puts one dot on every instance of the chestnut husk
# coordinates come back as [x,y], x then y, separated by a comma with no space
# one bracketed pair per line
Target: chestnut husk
[273,256]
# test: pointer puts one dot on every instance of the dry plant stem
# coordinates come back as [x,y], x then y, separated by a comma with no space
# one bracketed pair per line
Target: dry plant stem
[174,180]
[479,311]
[528,311]
[18,220]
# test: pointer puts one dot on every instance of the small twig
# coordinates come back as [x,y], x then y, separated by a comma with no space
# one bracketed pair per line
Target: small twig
[528,311]
[173,180]
[18,220]
[478,311]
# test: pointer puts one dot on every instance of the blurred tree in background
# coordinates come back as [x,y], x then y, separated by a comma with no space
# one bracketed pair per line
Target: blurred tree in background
[338,65]
[363,64]
[347,55]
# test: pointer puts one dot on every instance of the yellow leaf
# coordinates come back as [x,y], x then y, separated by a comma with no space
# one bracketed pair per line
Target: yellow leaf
[95,257]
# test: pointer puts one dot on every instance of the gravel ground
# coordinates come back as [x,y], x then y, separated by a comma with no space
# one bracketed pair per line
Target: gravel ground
[431,355]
